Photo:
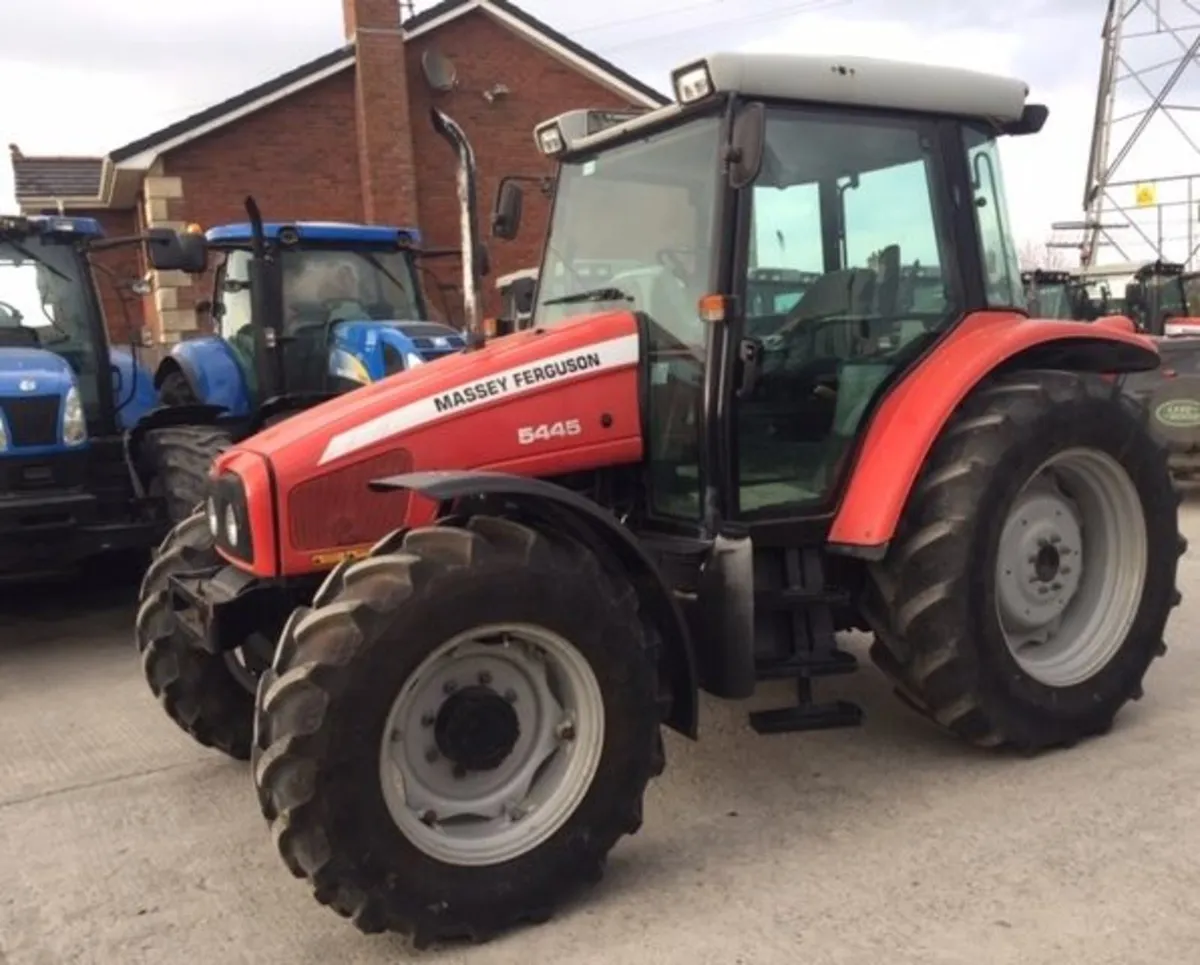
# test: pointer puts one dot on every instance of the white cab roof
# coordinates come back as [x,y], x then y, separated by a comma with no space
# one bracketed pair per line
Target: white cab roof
[842,81]
[869,82]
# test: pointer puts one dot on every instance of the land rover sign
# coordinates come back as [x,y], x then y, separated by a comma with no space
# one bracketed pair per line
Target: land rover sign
[1181,413]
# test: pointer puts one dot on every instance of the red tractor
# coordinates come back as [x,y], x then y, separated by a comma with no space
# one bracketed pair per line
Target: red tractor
[494,578]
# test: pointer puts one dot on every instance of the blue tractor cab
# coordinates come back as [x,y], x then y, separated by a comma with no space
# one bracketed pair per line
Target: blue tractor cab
[79,418]
[303,311]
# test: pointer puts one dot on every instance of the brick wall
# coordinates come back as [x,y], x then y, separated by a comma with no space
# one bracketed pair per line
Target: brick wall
[299,157]
[123,314]
[485,53]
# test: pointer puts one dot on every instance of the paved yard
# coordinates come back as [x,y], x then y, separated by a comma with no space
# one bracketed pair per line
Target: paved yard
[122,843]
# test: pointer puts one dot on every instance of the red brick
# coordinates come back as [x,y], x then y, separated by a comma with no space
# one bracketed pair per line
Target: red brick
[301,157]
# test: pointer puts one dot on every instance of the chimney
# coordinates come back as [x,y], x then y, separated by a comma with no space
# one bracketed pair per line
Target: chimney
[386,161]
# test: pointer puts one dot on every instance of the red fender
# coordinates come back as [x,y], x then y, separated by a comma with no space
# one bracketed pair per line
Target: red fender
[912,415]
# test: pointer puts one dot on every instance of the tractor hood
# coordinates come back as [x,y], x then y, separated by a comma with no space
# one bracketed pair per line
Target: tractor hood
[33,371]
[539,403]
[522,364]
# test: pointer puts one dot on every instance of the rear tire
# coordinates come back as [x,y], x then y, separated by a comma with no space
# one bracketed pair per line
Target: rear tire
[202,692]
[943,601]
[324,733]
[179,459]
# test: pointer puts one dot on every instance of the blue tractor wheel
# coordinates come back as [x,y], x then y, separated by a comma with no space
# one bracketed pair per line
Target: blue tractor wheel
[178,459]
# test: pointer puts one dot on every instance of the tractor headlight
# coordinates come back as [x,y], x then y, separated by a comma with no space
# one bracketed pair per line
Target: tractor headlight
[232,530]
[550,140]
[343,365]
[692,83]
[227,515]
[74,422]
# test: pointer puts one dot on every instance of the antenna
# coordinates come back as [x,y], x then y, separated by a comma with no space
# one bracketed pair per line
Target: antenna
[439,70]
[1145,135]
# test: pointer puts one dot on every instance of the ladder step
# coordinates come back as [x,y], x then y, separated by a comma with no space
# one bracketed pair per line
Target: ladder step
[829,664]
[790,720]
[799,598]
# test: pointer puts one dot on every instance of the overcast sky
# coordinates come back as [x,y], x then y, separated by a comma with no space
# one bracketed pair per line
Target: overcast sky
[82,76]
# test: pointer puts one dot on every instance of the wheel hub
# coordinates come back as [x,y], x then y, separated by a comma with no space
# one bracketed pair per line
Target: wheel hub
[1040,563]
[476,729]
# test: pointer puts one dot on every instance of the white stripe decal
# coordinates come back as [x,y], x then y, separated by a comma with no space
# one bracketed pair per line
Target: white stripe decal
[587,360]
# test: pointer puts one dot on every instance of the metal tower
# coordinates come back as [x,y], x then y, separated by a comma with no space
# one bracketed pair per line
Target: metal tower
[1142,196]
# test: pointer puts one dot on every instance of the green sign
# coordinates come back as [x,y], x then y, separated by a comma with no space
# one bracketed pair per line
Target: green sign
[1179,412]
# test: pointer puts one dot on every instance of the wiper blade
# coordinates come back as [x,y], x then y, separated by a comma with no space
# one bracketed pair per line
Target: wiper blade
[32,256]
[591,295]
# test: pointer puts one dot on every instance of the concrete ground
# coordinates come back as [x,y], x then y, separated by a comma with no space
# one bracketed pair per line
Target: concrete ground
[121,842]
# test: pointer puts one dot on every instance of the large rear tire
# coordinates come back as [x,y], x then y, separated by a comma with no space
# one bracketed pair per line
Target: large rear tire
[459,731]
[179,459]
[210,696]
[1029,583]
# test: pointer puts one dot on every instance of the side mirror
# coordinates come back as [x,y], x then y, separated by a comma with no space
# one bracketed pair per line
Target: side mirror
[171,250]
[506,216]
[748,143]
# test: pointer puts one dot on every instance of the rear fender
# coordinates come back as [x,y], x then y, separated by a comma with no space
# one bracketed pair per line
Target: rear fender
[911,416]
[549,507]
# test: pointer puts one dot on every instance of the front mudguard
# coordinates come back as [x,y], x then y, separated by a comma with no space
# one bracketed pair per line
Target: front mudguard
[542,504]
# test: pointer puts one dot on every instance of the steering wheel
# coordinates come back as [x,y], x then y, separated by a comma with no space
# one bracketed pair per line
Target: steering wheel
[10,314]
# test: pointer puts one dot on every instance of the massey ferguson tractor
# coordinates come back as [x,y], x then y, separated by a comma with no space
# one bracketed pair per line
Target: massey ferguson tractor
[485,585]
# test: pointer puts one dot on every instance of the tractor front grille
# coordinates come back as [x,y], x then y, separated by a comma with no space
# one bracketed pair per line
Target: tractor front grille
[338,509]
[32,421]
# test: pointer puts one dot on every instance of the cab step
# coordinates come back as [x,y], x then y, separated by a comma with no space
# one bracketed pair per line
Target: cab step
[795,639]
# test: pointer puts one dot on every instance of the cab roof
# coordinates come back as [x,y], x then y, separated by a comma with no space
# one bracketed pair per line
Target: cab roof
[317,232]
[831,80]
[45,224]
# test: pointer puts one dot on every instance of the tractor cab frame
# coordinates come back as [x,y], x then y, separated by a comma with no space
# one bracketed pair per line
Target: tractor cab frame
[1156,296]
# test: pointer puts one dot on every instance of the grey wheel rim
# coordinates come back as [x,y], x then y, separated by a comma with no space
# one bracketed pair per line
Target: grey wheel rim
[471,812]
[1071,567]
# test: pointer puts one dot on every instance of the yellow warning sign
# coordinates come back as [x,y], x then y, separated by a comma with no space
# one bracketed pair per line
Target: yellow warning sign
[1146,195]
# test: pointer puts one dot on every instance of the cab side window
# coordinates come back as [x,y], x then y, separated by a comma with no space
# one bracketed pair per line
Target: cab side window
[233,294]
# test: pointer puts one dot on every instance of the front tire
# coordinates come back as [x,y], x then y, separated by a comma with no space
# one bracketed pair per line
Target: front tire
[332,721]
[209,696]
[179,459]
[1029,583]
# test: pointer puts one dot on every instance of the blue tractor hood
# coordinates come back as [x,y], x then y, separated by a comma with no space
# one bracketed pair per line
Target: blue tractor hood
[385,346]
[33,371]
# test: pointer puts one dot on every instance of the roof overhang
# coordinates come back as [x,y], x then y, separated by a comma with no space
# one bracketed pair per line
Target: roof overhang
[550,45]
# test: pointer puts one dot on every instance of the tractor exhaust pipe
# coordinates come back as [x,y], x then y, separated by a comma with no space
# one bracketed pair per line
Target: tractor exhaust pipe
[474,255]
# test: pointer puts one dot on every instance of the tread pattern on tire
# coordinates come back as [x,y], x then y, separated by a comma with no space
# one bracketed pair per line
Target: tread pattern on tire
[294,695]
[914,647]
[196,688]
[180,458]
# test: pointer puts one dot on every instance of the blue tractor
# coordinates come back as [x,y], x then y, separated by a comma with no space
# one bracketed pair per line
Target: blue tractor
[303,311]
[82,456]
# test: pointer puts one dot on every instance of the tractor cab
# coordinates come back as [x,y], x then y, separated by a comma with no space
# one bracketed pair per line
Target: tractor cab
[303,311]
[1156,300]
[1051,294]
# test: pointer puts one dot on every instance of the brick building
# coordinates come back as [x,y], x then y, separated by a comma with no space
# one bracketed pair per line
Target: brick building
[344,137]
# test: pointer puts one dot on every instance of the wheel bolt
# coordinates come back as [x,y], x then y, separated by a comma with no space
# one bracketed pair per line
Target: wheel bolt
[510,695]
[515,812]
[1056,539]
[431,755]
[1056,586]
[1043,590]
[565,731]
[428,720]
[429,818]
[449,687]
[1065,570]
[485,678]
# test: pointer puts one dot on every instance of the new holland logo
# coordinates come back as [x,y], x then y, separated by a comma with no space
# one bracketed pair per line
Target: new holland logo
[1179,412]
[27,385]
